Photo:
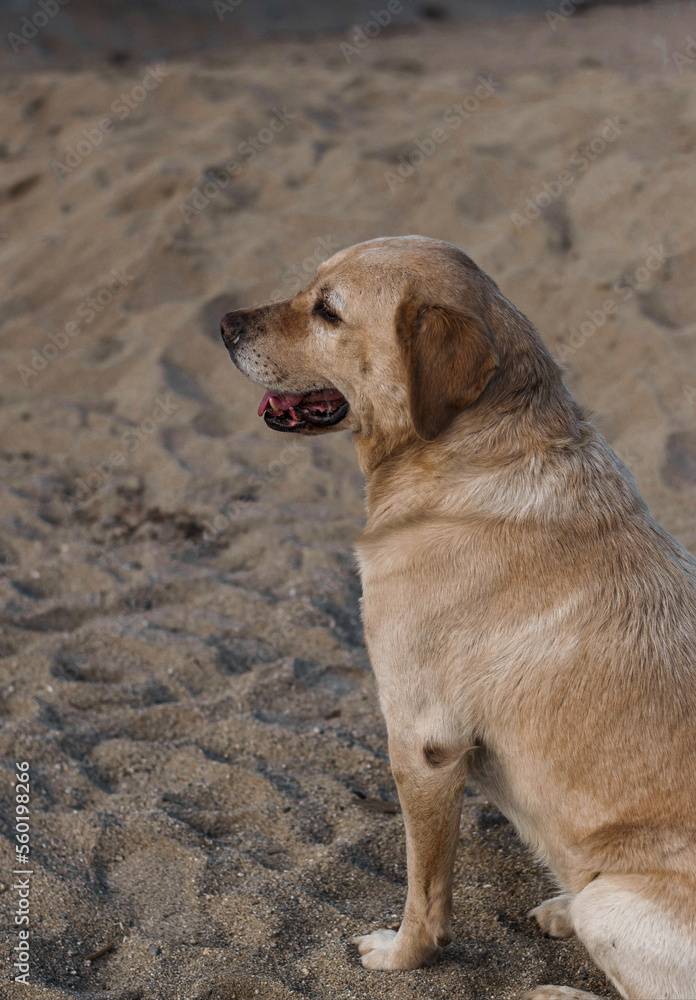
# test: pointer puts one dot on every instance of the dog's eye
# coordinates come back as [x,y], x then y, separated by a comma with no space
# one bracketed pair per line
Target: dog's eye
[321,309]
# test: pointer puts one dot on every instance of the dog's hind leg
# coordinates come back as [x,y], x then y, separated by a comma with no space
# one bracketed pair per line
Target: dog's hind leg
[640,929]
[559,993]
[553,916]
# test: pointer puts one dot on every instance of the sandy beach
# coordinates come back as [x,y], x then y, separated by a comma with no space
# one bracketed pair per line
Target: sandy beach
[182,663]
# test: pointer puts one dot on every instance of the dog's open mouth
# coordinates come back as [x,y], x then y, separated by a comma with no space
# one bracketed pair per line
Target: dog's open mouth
[284,411]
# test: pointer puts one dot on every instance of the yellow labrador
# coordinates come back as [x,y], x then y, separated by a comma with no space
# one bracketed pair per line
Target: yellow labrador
[528,622]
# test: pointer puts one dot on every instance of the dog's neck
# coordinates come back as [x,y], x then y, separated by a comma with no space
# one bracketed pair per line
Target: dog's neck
[486,452]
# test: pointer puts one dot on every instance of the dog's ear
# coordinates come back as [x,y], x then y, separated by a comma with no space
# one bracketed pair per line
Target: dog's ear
[449,360]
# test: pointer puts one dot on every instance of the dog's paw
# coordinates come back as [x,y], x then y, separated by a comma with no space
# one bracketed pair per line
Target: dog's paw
[382,950]
[554,919]
[558,992]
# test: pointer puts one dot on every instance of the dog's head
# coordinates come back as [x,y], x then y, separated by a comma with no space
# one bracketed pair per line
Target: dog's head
[392,340]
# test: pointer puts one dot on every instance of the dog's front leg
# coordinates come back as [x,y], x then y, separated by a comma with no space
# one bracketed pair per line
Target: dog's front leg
[431,786]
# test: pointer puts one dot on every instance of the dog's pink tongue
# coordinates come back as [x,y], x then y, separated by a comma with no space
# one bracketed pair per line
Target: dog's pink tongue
[281,401]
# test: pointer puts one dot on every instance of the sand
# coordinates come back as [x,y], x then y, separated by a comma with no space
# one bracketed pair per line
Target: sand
[182,662]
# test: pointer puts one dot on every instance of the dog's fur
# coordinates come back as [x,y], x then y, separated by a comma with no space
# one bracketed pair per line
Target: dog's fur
[528,622]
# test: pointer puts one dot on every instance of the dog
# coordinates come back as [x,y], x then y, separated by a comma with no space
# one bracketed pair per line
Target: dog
[529,624]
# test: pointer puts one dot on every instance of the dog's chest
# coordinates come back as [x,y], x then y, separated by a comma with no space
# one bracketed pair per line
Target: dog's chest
[415,626]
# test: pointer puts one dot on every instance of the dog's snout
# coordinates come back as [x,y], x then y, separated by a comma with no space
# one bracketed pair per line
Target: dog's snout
[231,328]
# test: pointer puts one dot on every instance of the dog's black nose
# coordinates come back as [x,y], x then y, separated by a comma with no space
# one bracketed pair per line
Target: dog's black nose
[231,328]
